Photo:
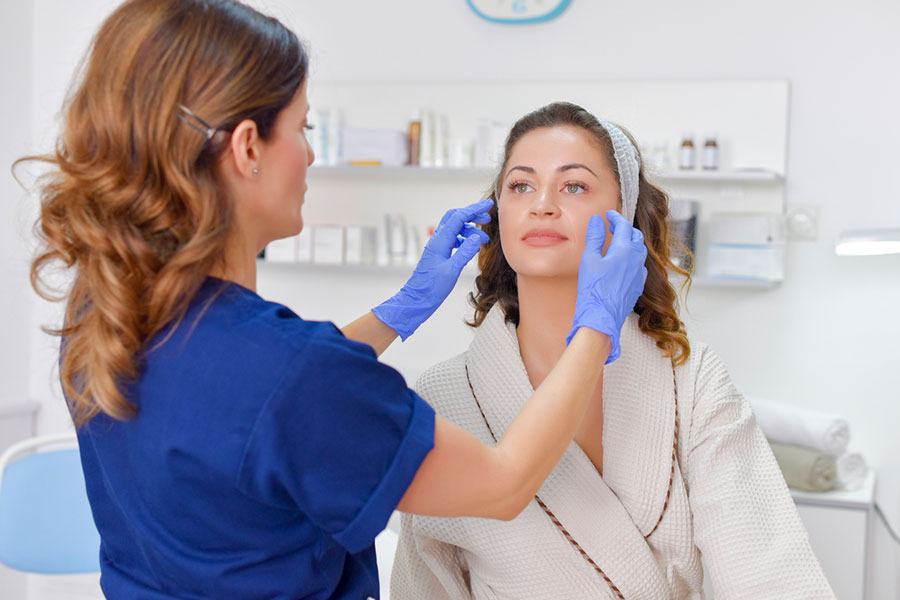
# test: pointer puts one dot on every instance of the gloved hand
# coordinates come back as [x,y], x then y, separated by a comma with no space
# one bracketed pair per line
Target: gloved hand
[609,286]
[437,271]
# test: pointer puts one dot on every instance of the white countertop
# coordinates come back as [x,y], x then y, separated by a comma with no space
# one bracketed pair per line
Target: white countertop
[862,498]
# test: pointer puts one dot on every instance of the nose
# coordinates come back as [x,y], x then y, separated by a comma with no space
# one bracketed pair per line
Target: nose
[544,204]
[310,154]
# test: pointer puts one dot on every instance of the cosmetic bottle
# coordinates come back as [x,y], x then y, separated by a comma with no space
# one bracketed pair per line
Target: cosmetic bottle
[415,133]
[686,158]
[426,140]
[440,140]
[711,153]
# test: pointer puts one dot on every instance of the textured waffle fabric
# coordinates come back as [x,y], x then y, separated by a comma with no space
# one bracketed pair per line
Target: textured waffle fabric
[728,501]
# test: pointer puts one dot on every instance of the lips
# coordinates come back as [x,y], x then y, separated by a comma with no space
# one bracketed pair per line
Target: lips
[543,236]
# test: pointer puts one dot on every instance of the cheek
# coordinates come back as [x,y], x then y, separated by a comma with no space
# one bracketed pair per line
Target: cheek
[508,231]
[582,218]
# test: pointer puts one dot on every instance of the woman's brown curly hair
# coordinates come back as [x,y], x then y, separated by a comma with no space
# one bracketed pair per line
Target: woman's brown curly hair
[658,305]
[132,202]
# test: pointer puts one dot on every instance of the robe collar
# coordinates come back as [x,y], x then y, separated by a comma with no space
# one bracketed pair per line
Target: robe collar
[608,516]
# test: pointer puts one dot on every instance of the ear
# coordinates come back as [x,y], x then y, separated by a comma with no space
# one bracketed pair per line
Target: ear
[244,147]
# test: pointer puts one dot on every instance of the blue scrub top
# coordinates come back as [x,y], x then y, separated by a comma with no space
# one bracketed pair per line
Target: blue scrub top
[267,454]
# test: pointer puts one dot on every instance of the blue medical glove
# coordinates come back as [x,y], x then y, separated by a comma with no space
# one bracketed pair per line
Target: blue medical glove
[609,286]
[438,270]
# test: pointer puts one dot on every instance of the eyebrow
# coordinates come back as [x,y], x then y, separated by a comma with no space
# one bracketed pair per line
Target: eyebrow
[559,170]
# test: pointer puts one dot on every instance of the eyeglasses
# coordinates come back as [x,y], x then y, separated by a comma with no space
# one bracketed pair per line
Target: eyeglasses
[195,122]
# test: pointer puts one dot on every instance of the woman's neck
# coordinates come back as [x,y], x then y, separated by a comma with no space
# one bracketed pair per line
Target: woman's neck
[238,262]
[546,310]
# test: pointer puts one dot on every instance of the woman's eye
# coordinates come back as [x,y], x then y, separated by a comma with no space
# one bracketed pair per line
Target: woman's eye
[574,188]
[308,127]
[519,187]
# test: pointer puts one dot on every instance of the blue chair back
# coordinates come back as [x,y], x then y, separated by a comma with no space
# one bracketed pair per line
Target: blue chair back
[46,524]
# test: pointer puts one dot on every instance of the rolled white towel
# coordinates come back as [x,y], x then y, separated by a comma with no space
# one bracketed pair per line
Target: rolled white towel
[852,470]
[787,424]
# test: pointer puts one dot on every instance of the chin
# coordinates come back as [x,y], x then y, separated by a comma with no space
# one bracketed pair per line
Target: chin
[546,269]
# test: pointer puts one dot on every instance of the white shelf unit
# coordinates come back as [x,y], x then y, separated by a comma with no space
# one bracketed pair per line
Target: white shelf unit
[471,271]
[411,172]
[750,116]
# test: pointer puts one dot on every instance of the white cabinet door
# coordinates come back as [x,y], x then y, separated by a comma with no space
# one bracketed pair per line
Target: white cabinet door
[838,538]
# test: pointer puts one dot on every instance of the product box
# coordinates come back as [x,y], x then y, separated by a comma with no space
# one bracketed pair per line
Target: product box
[305,245]
[763,262]
[282,251]
[360,245]
[328,244]
[746,229]
[385,146]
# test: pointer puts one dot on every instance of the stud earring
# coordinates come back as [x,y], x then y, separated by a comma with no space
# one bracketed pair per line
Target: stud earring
[255,171]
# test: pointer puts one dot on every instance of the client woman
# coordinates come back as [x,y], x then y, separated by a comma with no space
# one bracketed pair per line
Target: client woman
[668,463]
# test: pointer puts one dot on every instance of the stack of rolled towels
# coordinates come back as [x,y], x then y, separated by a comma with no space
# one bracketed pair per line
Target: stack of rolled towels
[810,446]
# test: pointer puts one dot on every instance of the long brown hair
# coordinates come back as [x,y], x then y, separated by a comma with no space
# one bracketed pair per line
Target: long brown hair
[657,306]
[132,202]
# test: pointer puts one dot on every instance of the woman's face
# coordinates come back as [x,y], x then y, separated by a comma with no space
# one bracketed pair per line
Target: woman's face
[555,179]
[284,159]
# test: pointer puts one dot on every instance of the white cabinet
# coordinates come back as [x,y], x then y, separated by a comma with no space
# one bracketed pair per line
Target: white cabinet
[838,537]
[851,542]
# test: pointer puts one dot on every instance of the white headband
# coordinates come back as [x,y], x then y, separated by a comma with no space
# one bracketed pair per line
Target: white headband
[629,168]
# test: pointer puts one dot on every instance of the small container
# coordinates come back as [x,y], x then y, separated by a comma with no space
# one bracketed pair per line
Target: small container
[426,139]
[415,134]
[441,133]
[711,153]
[334,150]
[686,158]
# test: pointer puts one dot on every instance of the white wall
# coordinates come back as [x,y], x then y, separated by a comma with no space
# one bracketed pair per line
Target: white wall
[15,108]
[16,32]
[826,338]
[829,337]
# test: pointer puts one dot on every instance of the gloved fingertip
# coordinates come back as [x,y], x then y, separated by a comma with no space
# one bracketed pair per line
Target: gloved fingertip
[615,218]
[595,236]
[464,254]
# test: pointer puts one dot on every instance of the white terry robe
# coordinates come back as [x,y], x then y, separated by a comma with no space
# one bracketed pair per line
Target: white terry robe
[728,498]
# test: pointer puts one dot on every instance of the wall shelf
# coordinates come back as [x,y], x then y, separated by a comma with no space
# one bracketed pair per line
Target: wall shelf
[739,176]
[730,283]
[471,272]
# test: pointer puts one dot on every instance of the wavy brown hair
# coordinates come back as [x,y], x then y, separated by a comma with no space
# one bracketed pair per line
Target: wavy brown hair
[132,203]
[658,305]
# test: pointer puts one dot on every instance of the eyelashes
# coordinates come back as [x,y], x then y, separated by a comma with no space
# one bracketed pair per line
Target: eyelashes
[569,187]
[515,184]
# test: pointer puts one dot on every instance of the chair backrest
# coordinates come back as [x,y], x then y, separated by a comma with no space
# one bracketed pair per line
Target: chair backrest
[46,525]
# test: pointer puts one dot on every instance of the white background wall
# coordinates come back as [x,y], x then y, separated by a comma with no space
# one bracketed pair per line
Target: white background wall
[829,337]
[16,34]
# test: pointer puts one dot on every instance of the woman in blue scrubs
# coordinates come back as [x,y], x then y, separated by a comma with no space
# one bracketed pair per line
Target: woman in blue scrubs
[230,448]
